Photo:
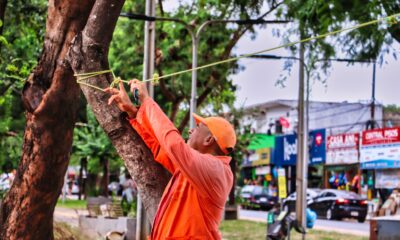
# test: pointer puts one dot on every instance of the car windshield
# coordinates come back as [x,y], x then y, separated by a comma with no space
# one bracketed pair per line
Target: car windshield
[247,189]
[257,190]
[346,194]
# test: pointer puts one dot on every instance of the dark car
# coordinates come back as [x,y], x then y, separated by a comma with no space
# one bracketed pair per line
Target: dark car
[336,204]
[256,197]
[289,203]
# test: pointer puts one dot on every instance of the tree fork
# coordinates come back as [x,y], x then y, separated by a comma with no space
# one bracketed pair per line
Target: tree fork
[88,53]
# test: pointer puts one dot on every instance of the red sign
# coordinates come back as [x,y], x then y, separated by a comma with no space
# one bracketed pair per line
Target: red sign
[284,122]
[343,141]
[381,136]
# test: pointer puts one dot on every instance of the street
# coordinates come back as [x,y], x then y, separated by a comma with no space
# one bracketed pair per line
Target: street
[345,226]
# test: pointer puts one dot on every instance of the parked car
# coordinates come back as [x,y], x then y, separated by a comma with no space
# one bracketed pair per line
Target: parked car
[289,203]
[337,204]
[256,197]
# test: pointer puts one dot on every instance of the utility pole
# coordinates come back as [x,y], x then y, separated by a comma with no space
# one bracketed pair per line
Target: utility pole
[142,223]
[302,159]
[373,97]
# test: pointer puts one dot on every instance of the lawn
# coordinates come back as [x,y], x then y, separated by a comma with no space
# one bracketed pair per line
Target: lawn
[74,204]
[248,230]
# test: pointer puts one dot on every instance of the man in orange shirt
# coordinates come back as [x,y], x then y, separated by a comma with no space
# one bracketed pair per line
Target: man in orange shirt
[192,203]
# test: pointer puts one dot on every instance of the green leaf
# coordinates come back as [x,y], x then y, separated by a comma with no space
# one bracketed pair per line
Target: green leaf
[3,40]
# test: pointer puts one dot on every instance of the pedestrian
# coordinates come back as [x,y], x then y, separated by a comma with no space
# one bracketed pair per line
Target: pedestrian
[193,201]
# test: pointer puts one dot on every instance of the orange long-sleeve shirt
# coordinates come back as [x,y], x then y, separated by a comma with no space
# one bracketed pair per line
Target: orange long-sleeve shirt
[192,203]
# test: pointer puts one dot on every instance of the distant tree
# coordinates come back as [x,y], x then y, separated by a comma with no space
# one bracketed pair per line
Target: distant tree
[373,42]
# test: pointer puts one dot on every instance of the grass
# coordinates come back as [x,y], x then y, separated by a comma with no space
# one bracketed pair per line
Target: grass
[248,230]
[73,204]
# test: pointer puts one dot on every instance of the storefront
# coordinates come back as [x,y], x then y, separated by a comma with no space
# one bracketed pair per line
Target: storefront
[317,157]
[285,157]
[256,167]
[342,167]
[380,160]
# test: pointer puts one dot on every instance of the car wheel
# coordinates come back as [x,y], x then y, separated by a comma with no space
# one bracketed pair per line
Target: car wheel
[329,214]
[361,220]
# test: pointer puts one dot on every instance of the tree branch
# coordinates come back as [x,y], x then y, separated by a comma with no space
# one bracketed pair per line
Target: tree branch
[89,53]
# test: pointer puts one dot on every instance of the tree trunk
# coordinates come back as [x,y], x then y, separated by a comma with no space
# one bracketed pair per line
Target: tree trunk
[88,54]
[104,179]
[50,96]
[232,196]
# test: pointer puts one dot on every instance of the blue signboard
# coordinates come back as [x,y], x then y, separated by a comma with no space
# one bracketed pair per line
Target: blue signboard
[317,146]
[286,148]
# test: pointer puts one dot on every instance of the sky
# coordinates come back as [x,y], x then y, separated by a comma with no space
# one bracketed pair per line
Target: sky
[344,83]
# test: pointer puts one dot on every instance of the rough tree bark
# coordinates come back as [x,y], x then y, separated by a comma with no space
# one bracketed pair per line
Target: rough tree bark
[89,54]
[50,97]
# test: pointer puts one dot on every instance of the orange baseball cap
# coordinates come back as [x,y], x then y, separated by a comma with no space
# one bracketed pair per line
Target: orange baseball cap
[221,129]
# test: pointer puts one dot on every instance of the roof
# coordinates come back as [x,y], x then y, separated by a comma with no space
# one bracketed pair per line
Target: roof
[293,104]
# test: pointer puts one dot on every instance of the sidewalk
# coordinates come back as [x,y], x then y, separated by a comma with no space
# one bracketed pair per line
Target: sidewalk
[318,226]
[67,215]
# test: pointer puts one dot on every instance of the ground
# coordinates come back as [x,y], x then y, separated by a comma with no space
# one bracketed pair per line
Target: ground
[66,218]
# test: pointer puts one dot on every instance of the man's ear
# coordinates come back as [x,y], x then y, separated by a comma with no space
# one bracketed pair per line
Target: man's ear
[209,140]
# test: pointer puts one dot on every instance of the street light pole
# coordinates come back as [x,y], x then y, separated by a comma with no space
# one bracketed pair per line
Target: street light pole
[142,223]
[302,160]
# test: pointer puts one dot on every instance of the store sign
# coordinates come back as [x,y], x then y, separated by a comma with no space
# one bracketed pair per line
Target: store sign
[260,157]
[317,146]
[282,191]
[263,170]
[380,148]
[342,149]
[286,150]
[387,178]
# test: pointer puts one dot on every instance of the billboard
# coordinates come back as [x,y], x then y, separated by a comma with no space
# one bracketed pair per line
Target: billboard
[286,148]
[260,157]
[380,148]
[342,149]
[388,178]
[260,149]
[317,146]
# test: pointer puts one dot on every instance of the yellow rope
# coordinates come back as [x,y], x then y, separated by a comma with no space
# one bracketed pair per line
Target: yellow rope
[83,76]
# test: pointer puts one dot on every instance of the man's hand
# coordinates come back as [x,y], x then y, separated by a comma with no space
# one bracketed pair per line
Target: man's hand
[121,98]
[141,86]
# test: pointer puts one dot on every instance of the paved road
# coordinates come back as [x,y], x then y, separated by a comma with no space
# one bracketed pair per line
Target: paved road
[345,226]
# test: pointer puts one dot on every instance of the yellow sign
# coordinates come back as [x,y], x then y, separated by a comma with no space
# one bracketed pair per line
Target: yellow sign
[282,183]
[261,157]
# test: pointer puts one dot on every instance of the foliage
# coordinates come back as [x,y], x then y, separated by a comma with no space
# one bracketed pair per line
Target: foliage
[174,45]
[91,142]
[318,17]
[20,42]
[391,108]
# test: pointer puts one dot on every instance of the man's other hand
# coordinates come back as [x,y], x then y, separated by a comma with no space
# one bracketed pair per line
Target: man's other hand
[121,98]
